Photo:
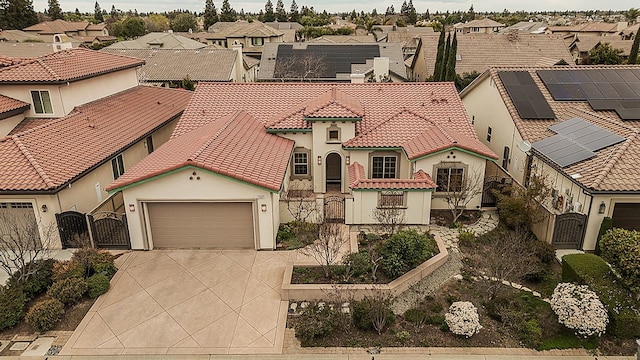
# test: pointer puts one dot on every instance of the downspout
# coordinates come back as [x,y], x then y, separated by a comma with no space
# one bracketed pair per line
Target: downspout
[64,110]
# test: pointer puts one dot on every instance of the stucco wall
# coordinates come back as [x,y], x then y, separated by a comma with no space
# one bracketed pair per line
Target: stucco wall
[361,208]
[486,109]
[6,125]
[211,187]
[322,148]
[64,97]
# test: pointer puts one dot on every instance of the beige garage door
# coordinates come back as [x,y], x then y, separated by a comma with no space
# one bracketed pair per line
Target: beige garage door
[202,225]
[18,220]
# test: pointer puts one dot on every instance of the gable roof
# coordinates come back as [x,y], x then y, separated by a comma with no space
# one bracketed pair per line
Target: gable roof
[236,145]
[47,157]
[174,65]
[584,43]
[615,168]
[479,23]
[241,29]
[327,61]
[478,52]
[25,50]
[61,26]
[10,106]
[358,181]
[164,40]
[17,36]
[66,66]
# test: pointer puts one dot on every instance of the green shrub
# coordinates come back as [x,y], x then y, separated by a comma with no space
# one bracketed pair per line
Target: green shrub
[68,291]
[36,283]
[621,248]
[521,312]
[45,314]
[67,269]
[402,337]
[624,311]
[545,255]
[315,322]
[12,303]
[95,261]
[466,237]
[373,313]
[297,234]
[530,333]
[417,315]
[404,251]
[358,263]
[607,223]
[98,284]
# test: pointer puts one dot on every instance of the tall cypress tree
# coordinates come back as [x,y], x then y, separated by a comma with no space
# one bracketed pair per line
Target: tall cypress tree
[269,15]
[227,13]
[281,13]
[445,59]
[294,15]
[633,55]
[439,57]
[98,13]
[55,11]
[210,14]
[451,61]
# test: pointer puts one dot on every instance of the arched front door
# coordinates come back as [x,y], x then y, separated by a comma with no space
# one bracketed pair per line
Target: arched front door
[333,172]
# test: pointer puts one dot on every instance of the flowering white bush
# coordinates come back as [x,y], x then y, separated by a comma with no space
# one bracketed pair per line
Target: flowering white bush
[463,319]
[579,309]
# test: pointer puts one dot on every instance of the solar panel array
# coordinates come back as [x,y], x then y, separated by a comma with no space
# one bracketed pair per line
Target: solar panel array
[525,95]
[605,89]
[325,60]
[576,140]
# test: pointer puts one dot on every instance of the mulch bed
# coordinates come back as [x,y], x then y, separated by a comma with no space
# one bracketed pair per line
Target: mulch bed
[445,218]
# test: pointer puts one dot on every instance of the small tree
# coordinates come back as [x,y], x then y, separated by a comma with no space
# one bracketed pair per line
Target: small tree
[462,188]
[157,23]
[391,219]
[21,245]
[437,68]
[326,250]
[604,54]
[522,207]
[184,22]
[633,54]
[303,68]
[97,15]
[300,203]
[188,84]
[55,11]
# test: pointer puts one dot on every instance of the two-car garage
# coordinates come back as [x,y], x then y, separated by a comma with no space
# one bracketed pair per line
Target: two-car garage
[228,225]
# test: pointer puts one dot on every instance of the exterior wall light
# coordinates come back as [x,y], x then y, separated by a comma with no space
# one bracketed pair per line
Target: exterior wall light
[263,207]
[602,208]
[347,160]
[132,207]
[44,208]
[319,160]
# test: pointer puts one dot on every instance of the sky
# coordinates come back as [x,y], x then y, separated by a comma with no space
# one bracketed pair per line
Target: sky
[340,5]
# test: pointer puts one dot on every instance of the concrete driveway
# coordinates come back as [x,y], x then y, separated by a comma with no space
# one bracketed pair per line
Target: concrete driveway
[188,302]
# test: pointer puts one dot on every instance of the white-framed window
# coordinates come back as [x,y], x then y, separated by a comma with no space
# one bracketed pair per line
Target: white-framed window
[117,165]
[392,199]
[333,134]
[449,178]
[41,102]
[257,41]
[301,163]
[149,144]
[384,166]
[16,205]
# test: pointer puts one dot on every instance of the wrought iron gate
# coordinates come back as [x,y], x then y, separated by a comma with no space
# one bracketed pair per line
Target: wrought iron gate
[109,230]
[334,209]
[73,229]
[568,230]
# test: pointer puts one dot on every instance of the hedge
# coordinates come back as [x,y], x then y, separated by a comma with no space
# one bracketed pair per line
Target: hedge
[591,270]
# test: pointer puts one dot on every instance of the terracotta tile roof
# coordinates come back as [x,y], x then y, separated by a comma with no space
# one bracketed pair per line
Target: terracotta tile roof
[28,124]
[418,136]
[57,26]
[616,168]
[236,145]
[359,181]
[173,65]
[49,156]
[478,52]
[438,102]
[65,66]
[10,105]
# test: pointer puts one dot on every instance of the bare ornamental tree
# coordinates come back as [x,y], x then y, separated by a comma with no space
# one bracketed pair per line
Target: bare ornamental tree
[300,67]
[461,187]
[326,250]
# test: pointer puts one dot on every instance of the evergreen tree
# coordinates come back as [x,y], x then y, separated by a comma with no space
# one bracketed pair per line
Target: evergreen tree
[404,8]
[210,14]
[97,14]
[227,13]
[412,15]
[469,15]
[114,12]
[437,68]
[374,12]
[445,59]
[633,55]
[451,61]
[17,14]
[294,15]
[54,11]
[281,13]
[269,15]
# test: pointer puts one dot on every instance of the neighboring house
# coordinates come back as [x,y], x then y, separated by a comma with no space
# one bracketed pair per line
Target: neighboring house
[288,29]
[630,32]
[479,26]
[407,36]
[576,126]
[18,36]
[251,35]
[168,68]
[79,28]
[343,39]
[332,62]
[583,44]
[70,123]
[158,40]
[478,52]
[241,150]
[527,27]
[597,28]
[26,50]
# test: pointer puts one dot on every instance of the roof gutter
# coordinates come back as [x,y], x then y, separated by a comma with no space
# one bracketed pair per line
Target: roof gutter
[14,112]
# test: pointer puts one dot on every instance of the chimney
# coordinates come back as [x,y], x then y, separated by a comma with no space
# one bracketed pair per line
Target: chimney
[357,78]
[239,62]
[380,68]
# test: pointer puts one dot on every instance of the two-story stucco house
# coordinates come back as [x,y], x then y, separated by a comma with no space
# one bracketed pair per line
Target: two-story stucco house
[240,148]
[71,122]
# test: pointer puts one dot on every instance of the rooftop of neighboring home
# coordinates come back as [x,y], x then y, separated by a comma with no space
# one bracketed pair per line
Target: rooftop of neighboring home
[479,23]
[46,157]
[225,132]
[341,39]
[531,27]
[605,96]
[18,36]
[590,27]
[174,65]
[10,107]
[26,50]
[587,42]
[241,29]
[327,61]
[159,40]
[478,52]
[65,66]
[61,26]
[284,25]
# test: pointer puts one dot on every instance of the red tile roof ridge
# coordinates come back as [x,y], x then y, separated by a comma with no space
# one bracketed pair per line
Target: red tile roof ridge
[421,175]
[398,113]
[334,96]
[613,160]
[356,174]
[23,149]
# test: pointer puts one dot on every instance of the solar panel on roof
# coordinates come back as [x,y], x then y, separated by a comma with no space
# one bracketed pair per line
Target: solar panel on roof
[579,76]
[562,150]
[596,76]
[548,77]
[591,91]
[624,90]
[575,92]
[525,95]
[628,114]
[612,75]
[584,133]
[328,60]
[603,104]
